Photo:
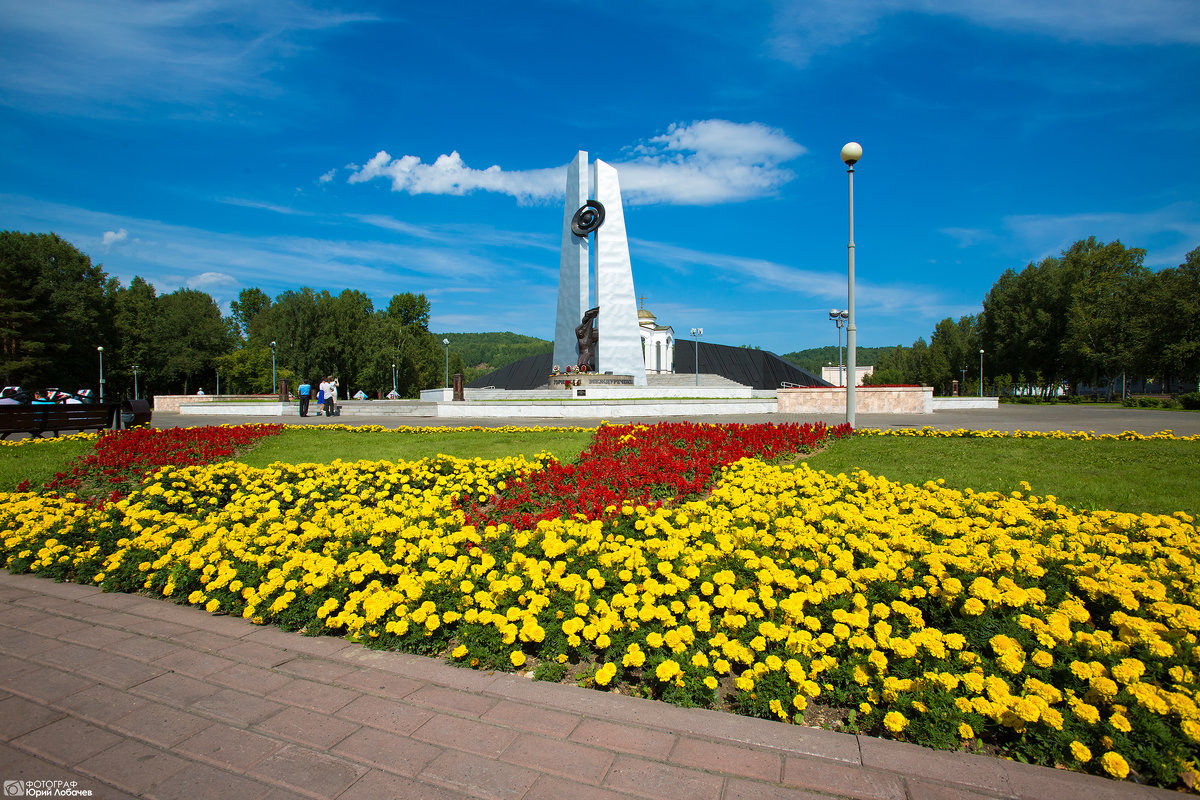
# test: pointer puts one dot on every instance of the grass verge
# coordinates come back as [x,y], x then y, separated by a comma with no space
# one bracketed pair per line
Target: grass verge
[38,463]
[322,445]
[1147,476]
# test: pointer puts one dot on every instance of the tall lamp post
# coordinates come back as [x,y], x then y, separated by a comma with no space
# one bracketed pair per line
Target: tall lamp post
[447,343]
[839,319]
[394,379]
[100,350]
[851,153]
[981,372]
[696,334]
[135,388]
[274,383]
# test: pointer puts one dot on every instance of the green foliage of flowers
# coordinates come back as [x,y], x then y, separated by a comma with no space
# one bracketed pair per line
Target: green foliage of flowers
[941,616]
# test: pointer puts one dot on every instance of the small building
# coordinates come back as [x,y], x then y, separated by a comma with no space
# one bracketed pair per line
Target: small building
[658,343]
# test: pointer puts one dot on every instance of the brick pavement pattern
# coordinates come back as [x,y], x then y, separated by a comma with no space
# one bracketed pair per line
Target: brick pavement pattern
[133,696]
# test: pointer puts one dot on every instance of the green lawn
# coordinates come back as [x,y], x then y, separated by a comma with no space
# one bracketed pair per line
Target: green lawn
[1149,476]
[37,463]
[323,445]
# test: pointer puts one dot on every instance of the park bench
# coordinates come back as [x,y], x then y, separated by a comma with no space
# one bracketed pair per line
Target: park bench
[37,419]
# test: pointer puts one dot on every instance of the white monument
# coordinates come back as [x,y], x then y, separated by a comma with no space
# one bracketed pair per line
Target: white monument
[619,348]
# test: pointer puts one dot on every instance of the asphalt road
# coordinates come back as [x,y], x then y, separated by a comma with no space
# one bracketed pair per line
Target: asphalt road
[1067,418]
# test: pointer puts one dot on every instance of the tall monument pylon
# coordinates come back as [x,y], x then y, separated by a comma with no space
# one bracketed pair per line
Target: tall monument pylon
[619,349]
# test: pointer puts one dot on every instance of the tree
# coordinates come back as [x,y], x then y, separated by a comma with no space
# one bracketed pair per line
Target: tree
[189,335]
[250,303]
[1102,338]
[134,332]
[1172,321]
[53,310]
[410,309]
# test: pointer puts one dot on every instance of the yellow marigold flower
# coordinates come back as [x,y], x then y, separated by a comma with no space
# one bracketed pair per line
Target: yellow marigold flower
[606,673]
[894,721]
[1120,722]
[212,605]
[668,671]
[973,607]
[1042,659]
[710,682]
[459,651]
[1114,764]
[965,731]
[1080,752]
[517,658]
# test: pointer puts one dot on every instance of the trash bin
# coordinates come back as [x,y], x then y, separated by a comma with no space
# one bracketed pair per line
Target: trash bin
[135,413]
[284,397]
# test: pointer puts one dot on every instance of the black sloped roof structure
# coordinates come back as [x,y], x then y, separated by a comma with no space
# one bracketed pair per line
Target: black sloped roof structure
[757,369]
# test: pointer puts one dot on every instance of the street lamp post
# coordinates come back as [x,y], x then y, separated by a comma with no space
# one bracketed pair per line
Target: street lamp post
[100,350]
[851,153]
[447,343]
[394,379]
[135,387]
[839,319]
[274,383]
[696,334]
[981,372]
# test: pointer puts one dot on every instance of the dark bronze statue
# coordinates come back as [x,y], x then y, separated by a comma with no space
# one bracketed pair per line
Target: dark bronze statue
[587,335]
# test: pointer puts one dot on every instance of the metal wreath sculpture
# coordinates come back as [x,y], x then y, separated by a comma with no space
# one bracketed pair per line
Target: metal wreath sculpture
[588,218]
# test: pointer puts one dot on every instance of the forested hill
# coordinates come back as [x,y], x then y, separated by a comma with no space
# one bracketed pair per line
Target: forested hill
[814,358]
[494,349]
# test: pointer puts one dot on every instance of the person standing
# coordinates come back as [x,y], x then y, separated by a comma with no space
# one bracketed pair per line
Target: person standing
[323,394]
[331,398]
[305,392]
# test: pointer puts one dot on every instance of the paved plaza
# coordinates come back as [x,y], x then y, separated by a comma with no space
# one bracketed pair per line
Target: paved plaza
[1006,418]
[130,696]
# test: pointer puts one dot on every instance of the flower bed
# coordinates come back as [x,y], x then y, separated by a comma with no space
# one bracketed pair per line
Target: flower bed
[120,459]
[943,617]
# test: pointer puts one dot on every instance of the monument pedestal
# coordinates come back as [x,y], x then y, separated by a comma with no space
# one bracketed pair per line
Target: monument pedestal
[580,381]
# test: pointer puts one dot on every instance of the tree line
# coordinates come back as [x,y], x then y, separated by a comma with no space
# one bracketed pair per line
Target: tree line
[1093,316]
[57,308]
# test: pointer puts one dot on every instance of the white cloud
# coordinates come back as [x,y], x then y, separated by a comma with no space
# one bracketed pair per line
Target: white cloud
[805,285]
[209,281]
[84,57]
[113,237]
[805,28]
[328,176]
[1167,233]
[699,163]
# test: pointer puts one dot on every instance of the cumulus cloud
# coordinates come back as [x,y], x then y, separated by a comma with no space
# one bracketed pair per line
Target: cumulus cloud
[698,163]
[114,237]
[208,281]
[328,176]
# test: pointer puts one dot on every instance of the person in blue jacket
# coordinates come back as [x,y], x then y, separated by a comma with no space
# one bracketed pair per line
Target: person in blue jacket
[305,391]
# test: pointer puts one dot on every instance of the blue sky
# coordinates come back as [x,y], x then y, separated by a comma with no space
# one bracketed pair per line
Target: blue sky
[390,147]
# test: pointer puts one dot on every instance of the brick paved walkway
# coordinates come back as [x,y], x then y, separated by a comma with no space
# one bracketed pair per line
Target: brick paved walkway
[136,697]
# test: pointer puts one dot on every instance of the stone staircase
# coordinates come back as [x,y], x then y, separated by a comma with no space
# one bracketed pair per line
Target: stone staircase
[688,379]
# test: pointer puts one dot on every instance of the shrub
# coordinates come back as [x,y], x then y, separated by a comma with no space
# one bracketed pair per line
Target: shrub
[1190,401]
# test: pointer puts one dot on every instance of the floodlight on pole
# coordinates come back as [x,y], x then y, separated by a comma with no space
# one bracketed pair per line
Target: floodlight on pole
[696,334]
[839,319]
[100,350]
[447,343]
[851,153]
[981,372]
[274,382]
[135,386]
